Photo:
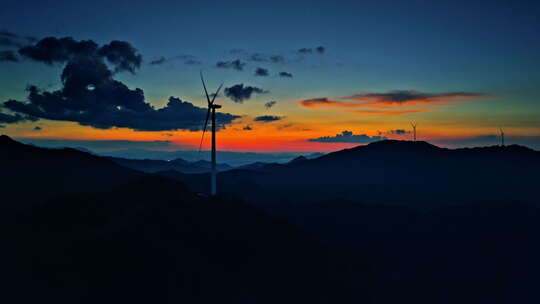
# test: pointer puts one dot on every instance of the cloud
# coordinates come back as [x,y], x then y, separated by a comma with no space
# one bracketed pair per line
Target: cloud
[390,99]
[400,97]
[324,101]
[305,51]
[235,65]
[348,137]
[120,54]
[277,59]
[91,96]
[8,56]
[399,131]
[239,93]
[258,57]
[270,104]
[261,72]
[158,61]
[387,112]
[316,103]
[285,74]
[187,59]
[268,118]
[8,39]
[15,118]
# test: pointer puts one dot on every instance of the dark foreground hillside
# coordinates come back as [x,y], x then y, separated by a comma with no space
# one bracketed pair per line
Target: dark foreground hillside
[29,174]
[151,241]
[480,252]
[76,228]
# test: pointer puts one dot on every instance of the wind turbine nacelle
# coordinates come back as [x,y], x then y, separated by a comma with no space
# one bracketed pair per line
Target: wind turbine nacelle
[215,106]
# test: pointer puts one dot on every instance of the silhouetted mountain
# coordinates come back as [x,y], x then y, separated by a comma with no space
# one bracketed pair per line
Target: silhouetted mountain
[414,174]
[480,252]
[434,225]
[31,174]
[153,166]
[299,159]
[93,231]
[151,241]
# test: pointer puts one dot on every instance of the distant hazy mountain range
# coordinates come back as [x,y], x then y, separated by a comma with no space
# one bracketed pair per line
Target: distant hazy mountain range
[150,150]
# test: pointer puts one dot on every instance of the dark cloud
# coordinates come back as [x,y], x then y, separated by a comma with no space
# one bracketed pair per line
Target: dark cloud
[261,72]
[8,56]
[305,51]
[270,104]
[399,132]
[158,61]
[323,101]
[239,92]
[316,103]
[412,96]
[120,54]
[277,59]
[285,74]
[268,118]
[187,59]
[258,57]
[8,39]
[52,50]
[247,128]
[16,118]
[235,64]
[348,137]
[91,97]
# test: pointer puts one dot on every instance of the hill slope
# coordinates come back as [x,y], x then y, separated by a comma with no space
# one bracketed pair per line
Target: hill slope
[414,174]
[31,174]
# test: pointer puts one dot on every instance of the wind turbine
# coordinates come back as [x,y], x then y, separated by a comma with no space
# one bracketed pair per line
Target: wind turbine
[502,137]
[211,109]
[414,131]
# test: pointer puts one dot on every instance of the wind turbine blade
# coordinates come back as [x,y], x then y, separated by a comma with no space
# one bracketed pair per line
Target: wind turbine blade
[216,94]
[204,129]
[205,91]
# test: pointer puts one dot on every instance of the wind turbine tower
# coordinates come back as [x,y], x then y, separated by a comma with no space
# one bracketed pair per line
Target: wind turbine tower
[502,137]
[414,131]
[211,111]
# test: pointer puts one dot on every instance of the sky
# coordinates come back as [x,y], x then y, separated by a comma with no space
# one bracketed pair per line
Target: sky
[299,76]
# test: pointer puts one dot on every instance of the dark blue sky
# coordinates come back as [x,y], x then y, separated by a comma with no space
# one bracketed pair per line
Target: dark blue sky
[487,47]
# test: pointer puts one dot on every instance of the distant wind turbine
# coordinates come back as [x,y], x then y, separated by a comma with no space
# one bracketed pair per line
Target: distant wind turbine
[414,131]
[211,109]
[502,137]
